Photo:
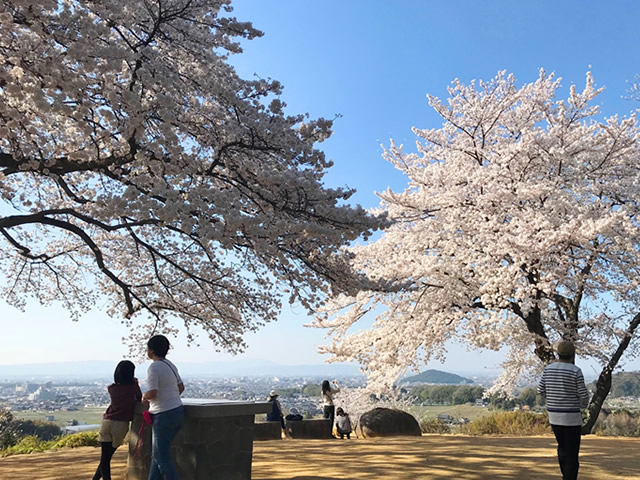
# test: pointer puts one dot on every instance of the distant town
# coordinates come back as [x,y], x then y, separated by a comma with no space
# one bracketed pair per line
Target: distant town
[52,397]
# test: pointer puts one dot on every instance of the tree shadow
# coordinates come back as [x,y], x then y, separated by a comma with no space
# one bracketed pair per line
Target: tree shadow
[312,478]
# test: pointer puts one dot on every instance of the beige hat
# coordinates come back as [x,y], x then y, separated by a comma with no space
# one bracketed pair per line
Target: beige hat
[565,348]
[273,393]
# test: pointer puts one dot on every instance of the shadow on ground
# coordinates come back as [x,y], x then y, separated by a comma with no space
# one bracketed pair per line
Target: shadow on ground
[312,478]
[402,458]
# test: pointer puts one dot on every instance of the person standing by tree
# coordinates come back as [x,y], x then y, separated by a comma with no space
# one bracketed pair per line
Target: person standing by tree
[328,408]
[563,389]
[165,387]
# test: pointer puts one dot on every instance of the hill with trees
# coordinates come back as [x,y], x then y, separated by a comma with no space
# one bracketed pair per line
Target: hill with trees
[437,377]
[624,384]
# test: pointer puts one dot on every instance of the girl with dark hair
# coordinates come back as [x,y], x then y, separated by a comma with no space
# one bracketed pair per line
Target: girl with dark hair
[165,387]
[124,393]
[343,423]
[328,408]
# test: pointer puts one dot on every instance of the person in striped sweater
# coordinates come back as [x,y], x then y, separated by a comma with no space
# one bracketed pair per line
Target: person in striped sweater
[563,389]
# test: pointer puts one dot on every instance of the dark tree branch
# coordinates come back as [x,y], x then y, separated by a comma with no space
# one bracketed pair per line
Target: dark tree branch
[603,385]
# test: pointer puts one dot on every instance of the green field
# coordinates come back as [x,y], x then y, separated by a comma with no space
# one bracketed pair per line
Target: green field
[90,415]
[457,411]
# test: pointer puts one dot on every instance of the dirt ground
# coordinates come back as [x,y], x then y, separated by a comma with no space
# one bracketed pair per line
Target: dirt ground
[400,458]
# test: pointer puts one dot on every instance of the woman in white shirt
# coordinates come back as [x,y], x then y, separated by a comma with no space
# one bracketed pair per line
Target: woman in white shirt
[328,408]
[163,396]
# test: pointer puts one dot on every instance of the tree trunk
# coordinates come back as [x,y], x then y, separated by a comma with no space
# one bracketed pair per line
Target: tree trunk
[603,386]
[543,349]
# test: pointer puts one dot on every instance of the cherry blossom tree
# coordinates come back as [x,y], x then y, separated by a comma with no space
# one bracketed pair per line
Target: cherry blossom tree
[519,228]
[136,165]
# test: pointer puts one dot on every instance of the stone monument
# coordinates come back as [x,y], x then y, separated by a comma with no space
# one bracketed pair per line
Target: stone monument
[216,441]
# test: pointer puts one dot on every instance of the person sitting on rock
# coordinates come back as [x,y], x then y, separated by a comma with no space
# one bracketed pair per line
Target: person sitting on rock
[343,423]
[276,410]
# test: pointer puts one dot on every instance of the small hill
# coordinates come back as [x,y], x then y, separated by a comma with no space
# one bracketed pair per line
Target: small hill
[624,384]
[437,377]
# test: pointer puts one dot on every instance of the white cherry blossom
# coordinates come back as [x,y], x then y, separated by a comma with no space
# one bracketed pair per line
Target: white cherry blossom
[136,165]
[519,227]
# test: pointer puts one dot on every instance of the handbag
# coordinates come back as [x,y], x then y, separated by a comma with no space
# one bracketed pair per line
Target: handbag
[147,419]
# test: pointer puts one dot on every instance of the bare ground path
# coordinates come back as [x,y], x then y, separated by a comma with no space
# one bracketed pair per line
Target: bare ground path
[401,458]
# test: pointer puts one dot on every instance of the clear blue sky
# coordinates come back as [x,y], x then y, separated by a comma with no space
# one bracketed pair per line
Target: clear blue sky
[373,62]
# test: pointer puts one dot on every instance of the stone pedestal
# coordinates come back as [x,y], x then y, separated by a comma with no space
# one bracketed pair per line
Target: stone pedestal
[216,441]
[267,431]
[319,428]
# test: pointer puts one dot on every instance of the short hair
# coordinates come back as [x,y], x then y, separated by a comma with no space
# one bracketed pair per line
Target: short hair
[566,356]
[124,373]
[159,345]
[566,347]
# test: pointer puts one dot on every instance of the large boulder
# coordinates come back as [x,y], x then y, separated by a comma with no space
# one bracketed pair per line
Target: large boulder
[387,422]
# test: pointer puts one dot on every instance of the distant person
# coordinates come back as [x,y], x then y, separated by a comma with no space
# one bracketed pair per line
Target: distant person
[562,386]
[328,408]
[163,395]
[125,393]
[293,415]
[343,423]
[275,415]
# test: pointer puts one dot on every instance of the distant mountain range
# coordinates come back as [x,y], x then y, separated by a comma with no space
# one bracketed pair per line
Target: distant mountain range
[102,369]
[437,377]
[254,368]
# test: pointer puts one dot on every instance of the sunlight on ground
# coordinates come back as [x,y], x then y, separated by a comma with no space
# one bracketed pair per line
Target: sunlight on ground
[401,458]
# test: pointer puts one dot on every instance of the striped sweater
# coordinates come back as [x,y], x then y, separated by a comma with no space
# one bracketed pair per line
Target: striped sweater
[562,386]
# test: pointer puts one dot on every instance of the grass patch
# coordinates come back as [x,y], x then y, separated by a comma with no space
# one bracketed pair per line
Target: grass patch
[456,411]
[32,443]
[433,425]
[519,423]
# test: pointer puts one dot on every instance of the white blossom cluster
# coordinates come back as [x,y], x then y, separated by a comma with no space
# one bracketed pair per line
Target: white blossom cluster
[135,164]
[519,227]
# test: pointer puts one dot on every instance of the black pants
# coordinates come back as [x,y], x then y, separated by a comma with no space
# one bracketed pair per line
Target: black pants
[329,411]
[104,469]
[568,449]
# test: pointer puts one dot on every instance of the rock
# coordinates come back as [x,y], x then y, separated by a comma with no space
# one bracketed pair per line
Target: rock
[387,422]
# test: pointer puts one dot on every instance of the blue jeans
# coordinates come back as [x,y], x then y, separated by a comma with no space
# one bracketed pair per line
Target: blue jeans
[163,430]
